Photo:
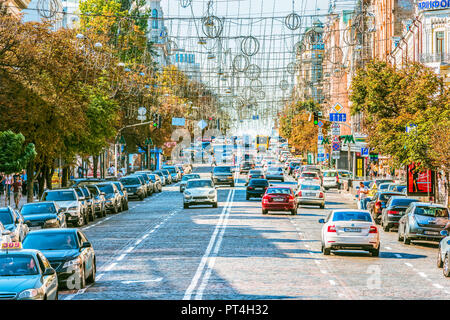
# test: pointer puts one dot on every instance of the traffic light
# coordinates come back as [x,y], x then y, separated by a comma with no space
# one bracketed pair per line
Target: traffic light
[159,121]
[316,118]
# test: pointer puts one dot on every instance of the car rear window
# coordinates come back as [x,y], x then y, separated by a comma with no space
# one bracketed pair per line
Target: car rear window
[275,169]
[59,196]
[130,181]
[279,191]
[330,174]
[402,202]
[258,182]
[309,187]
[352,216]
[36,208]
[308,175]
[5,217]
[431,211]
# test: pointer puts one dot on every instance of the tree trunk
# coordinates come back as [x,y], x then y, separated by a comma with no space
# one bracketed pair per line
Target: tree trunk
[65,177]
[30,181]
[95,165]
[41,180]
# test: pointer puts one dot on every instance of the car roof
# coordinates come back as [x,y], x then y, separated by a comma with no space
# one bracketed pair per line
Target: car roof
[309,172]
[33,252]
[54,230]
[39,202]
[428,204]
[390,192]
[350,210]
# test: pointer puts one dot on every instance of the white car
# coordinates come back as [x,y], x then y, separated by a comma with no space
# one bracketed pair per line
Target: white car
[199,191]
[348,229]
[308,177]
[331,179]
[310,194]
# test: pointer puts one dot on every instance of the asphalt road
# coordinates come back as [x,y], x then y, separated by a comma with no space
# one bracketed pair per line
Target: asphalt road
[158,250]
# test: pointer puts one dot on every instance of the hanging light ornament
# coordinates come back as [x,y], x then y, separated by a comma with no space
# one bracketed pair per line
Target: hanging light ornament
[292,21]
[250,46]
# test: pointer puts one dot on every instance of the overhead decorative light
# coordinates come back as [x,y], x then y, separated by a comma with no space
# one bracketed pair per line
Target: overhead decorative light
[98,45]
[211,56]
[121,64]
[80,36]
[201,41]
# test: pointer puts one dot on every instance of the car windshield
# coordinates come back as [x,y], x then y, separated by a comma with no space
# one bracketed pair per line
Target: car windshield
[295,164]
[309,175]
[432,211]
[59,196]
[159,173]
[329,174]
[50,241]
[279,191]
[378,182]
[275,169]
[255,172]
[93,190]
[17,265]
[85,192]
[258,182]
[79,192]
[118,185]
[402,202]
[5,217]
[190,176]
[106,188]
[130,181]
[222,170]
[199,184]
[171,169]
[400,188]
[37,208]
[309,187]
[352,216]
[384,186]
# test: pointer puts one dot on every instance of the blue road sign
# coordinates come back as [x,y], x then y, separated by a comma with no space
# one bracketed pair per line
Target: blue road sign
[320,124]
[364,152]
[338,117]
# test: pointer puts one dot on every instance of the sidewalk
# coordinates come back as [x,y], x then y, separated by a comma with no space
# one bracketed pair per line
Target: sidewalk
[22,201]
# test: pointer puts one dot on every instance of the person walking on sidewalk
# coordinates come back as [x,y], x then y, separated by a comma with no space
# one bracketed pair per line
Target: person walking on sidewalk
[8,183]
[17,190]
[363,191]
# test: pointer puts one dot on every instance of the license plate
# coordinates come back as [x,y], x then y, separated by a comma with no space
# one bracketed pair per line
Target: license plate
[309,194]
[434,233]
[352,229]
[258,189]
[278,199]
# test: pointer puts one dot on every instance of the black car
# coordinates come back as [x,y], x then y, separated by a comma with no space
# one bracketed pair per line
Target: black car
[395,209]
[135,188]
[223,175]
[147,180]
[69,253]
[112,196]
[87,203]
[99,200]
[43,215]
[123,195]
[378,202]
[90,201]
[256,188]
[246,166]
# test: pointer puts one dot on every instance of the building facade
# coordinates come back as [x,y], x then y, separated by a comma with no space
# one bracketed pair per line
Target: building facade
[14,7]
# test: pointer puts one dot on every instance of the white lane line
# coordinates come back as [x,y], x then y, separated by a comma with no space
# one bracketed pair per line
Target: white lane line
[201,266]
[307,246]
[398,255]
[317,262]
[324,271]
[409,264]
[333,283]
[138,281]
[389,248]
[129,249]
[120,258]
[111,266]
[438,286]
[423,275]
[137,242]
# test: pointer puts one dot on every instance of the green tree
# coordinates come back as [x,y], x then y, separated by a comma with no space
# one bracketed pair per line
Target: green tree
[14,153]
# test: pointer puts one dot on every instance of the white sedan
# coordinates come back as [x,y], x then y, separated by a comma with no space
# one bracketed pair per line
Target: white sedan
[349,229]
[200,191]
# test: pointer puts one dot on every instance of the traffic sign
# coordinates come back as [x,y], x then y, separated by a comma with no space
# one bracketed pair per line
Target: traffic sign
[202,124]
[336,146]
[338,107]
[338,117]
[320,124]
[335,129]
[178,122]
[365,152]
[335,155]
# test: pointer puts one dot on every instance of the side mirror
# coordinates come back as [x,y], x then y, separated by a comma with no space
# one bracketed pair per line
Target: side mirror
[321,220]
[49,272]
[6,233]
[444,233]
[86,244]
[103,194]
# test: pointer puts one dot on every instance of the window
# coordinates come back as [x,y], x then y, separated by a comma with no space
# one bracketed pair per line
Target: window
[155,19]
[440,42]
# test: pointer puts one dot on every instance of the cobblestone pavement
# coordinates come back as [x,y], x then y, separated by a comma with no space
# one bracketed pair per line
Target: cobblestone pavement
[158,250]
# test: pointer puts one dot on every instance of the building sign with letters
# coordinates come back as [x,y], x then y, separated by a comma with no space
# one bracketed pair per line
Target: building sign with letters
[433,5]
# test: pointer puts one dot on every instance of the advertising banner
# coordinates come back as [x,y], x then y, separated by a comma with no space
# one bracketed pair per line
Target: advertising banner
[419,183]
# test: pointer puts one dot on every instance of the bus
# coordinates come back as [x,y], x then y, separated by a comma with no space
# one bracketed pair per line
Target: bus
[262,143]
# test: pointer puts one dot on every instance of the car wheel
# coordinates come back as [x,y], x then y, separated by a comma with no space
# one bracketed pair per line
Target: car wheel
[264,211]
[325,188]
[91,278]
[82,280]
[215,205]
[80,221]
[57,294]
[326,251]
[115,209]
[439,262]
[446,266]
[141,198]
[247,198]
[322,206]
[406,240]
[399,236]
[293,212]
[375,252]
[185,206]
[386,227]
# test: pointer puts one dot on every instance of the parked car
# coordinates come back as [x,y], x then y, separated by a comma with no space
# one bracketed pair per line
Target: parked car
[279,199]
[135,188]
[223,175]
[310,194]
[443,255]
[67,199]
[246,166]
[378,202]
[13,222]
[292,165]
[90,201]
[167,175]
[331,180]
[198,192]
[99,200]
[161,175]
[88,206]
[186,178]
[397,188]
[147,182]
[123,194]
[256,188]
[69,252]
[394,210]
[112,196]
[275,173]
[347,229]
[423,221]
[40,215]
[174,173]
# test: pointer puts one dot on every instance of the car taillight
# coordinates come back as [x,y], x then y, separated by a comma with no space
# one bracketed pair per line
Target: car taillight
[250,188]
[291,197]
[378,204]
[373,229]
[321,195]
[393,212]
[331,228]
[315,178]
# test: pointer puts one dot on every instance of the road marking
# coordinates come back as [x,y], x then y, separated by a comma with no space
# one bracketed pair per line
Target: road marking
[423,275]
[389,248]
[201,266]
[138,281]
[111,266]
[409,264]
[317,262]
[438,286]
[324,271]
[307,246]
[333,283]
[121,257]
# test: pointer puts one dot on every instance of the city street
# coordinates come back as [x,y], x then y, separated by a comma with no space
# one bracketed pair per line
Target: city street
[158,250]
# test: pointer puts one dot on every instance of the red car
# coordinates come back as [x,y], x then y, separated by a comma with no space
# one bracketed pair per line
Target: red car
[279,199]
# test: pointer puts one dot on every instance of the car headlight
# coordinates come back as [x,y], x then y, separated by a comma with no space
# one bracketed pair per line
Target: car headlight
[29,293]
[72,263]
[51,221]
[187,193]
[212,192]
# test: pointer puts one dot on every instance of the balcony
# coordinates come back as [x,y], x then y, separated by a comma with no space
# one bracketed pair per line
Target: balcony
[443,58]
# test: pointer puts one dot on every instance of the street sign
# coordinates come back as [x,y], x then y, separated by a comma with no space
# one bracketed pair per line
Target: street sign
[338,117]
[202,124]
[320,138]
[320,149]
[365,152]
[338,107]
[335,129]
[142,118]
[335,155]
[178,122]
[336,146]
[319,130]
[320,124]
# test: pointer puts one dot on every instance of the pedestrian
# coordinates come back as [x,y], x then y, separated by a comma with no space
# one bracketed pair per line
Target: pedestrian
[8,183]
[363,191]
[2,184]
[80,171]
[23,178]
[112,170]
[17,190]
